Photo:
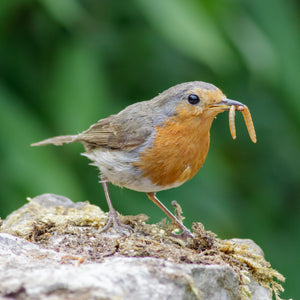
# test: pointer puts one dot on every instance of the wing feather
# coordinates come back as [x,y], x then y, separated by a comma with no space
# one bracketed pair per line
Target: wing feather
[124,131]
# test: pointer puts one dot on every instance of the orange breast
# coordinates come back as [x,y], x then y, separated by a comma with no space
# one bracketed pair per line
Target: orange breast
[179,149]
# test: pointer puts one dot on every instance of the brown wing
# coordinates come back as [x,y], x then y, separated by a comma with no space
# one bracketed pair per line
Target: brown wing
[125,131]
[111,133]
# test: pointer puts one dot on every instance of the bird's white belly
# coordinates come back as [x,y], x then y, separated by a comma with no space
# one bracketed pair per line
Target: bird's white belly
[116,166]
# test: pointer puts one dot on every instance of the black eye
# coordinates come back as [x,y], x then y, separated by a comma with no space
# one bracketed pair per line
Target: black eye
[193,99]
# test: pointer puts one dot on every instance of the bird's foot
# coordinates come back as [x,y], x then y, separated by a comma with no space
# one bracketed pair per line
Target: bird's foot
[184,235]
[115,222]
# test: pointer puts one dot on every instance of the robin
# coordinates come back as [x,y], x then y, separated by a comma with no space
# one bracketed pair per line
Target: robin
[153,145]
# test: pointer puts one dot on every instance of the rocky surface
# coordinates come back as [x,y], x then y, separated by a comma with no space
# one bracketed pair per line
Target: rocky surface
[52,249]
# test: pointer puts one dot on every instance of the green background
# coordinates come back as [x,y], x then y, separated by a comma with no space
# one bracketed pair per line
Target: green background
[64,64]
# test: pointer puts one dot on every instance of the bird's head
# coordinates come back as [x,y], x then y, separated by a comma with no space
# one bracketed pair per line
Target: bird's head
[195,99]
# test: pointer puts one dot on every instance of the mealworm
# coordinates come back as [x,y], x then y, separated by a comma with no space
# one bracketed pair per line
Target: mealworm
[247,118]
[232,121]
[249,124]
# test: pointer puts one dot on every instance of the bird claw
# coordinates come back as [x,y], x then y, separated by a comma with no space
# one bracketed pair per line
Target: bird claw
[184,235]
[114,221]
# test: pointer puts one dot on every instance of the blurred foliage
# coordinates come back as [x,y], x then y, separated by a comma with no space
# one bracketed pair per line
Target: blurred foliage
[66,64]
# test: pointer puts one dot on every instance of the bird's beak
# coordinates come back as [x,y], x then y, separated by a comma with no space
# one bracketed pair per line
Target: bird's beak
[225,104]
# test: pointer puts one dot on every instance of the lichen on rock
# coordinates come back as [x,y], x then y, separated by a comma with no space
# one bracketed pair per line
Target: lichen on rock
[56,223]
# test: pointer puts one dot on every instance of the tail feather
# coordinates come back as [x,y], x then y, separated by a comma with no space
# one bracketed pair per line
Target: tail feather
[57,140]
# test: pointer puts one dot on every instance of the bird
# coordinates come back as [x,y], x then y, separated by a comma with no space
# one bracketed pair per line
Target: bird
[153,145]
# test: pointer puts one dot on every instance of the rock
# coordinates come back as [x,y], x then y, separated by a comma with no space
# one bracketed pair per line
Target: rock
[60,254]
[254,246]
[29,272]
[52,200]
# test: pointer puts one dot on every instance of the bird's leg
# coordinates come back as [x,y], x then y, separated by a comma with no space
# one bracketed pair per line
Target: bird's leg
[185,233]
[113,219]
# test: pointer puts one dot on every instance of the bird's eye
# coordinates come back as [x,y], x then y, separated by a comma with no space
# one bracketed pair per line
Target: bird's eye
[193,99]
